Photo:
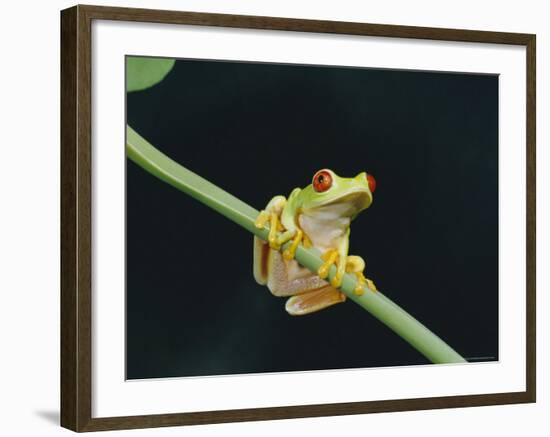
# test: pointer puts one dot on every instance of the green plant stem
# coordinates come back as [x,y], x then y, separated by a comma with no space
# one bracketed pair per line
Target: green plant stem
[381,307]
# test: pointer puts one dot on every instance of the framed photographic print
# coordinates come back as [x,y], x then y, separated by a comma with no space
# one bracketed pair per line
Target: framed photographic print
[268,218]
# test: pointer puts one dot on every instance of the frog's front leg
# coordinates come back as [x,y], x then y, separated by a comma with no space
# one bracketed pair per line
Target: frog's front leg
[336,256]
[272,214]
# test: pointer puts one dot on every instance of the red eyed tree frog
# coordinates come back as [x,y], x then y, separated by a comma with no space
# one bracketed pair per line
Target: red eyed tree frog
[319,216]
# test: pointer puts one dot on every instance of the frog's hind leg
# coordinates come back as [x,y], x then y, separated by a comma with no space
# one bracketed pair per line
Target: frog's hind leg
[314,300]
[261,258]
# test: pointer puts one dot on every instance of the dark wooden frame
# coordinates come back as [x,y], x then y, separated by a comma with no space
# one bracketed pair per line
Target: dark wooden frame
[76,239]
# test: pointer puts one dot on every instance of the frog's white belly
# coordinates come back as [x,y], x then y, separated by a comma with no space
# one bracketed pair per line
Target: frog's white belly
[326,226]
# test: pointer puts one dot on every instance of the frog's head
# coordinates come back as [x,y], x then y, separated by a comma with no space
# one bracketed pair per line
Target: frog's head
[349,195]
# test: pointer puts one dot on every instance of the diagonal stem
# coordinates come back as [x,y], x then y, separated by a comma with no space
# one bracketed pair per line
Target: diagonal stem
[402,323]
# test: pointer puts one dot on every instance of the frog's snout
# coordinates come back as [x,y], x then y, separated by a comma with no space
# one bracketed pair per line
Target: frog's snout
[367,177]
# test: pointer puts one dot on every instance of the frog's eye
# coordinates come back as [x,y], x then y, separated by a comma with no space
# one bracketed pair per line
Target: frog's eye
[372,182]
[322,181]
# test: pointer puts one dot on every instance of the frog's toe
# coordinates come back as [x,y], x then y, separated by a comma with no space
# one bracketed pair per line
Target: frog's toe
[371,285]
[290,252]
[342,263]
[360,285]
[354,264]
[329,258]
[362,281]
[274,227]
[336,281]
[273,243]
[271,214]
[271,217]
[262,219]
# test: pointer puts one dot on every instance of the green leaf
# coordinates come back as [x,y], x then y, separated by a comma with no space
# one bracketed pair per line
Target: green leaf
[144,72]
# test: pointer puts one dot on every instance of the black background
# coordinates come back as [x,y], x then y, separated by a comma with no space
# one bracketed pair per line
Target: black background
[430,238]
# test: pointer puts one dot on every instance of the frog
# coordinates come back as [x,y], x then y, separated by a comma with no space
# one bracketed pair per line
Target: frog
[318,216]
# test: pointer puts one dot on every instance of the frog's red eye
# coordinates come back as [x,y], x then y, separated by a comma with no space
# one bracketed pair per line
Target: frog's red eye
[372,182]
[322,181]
